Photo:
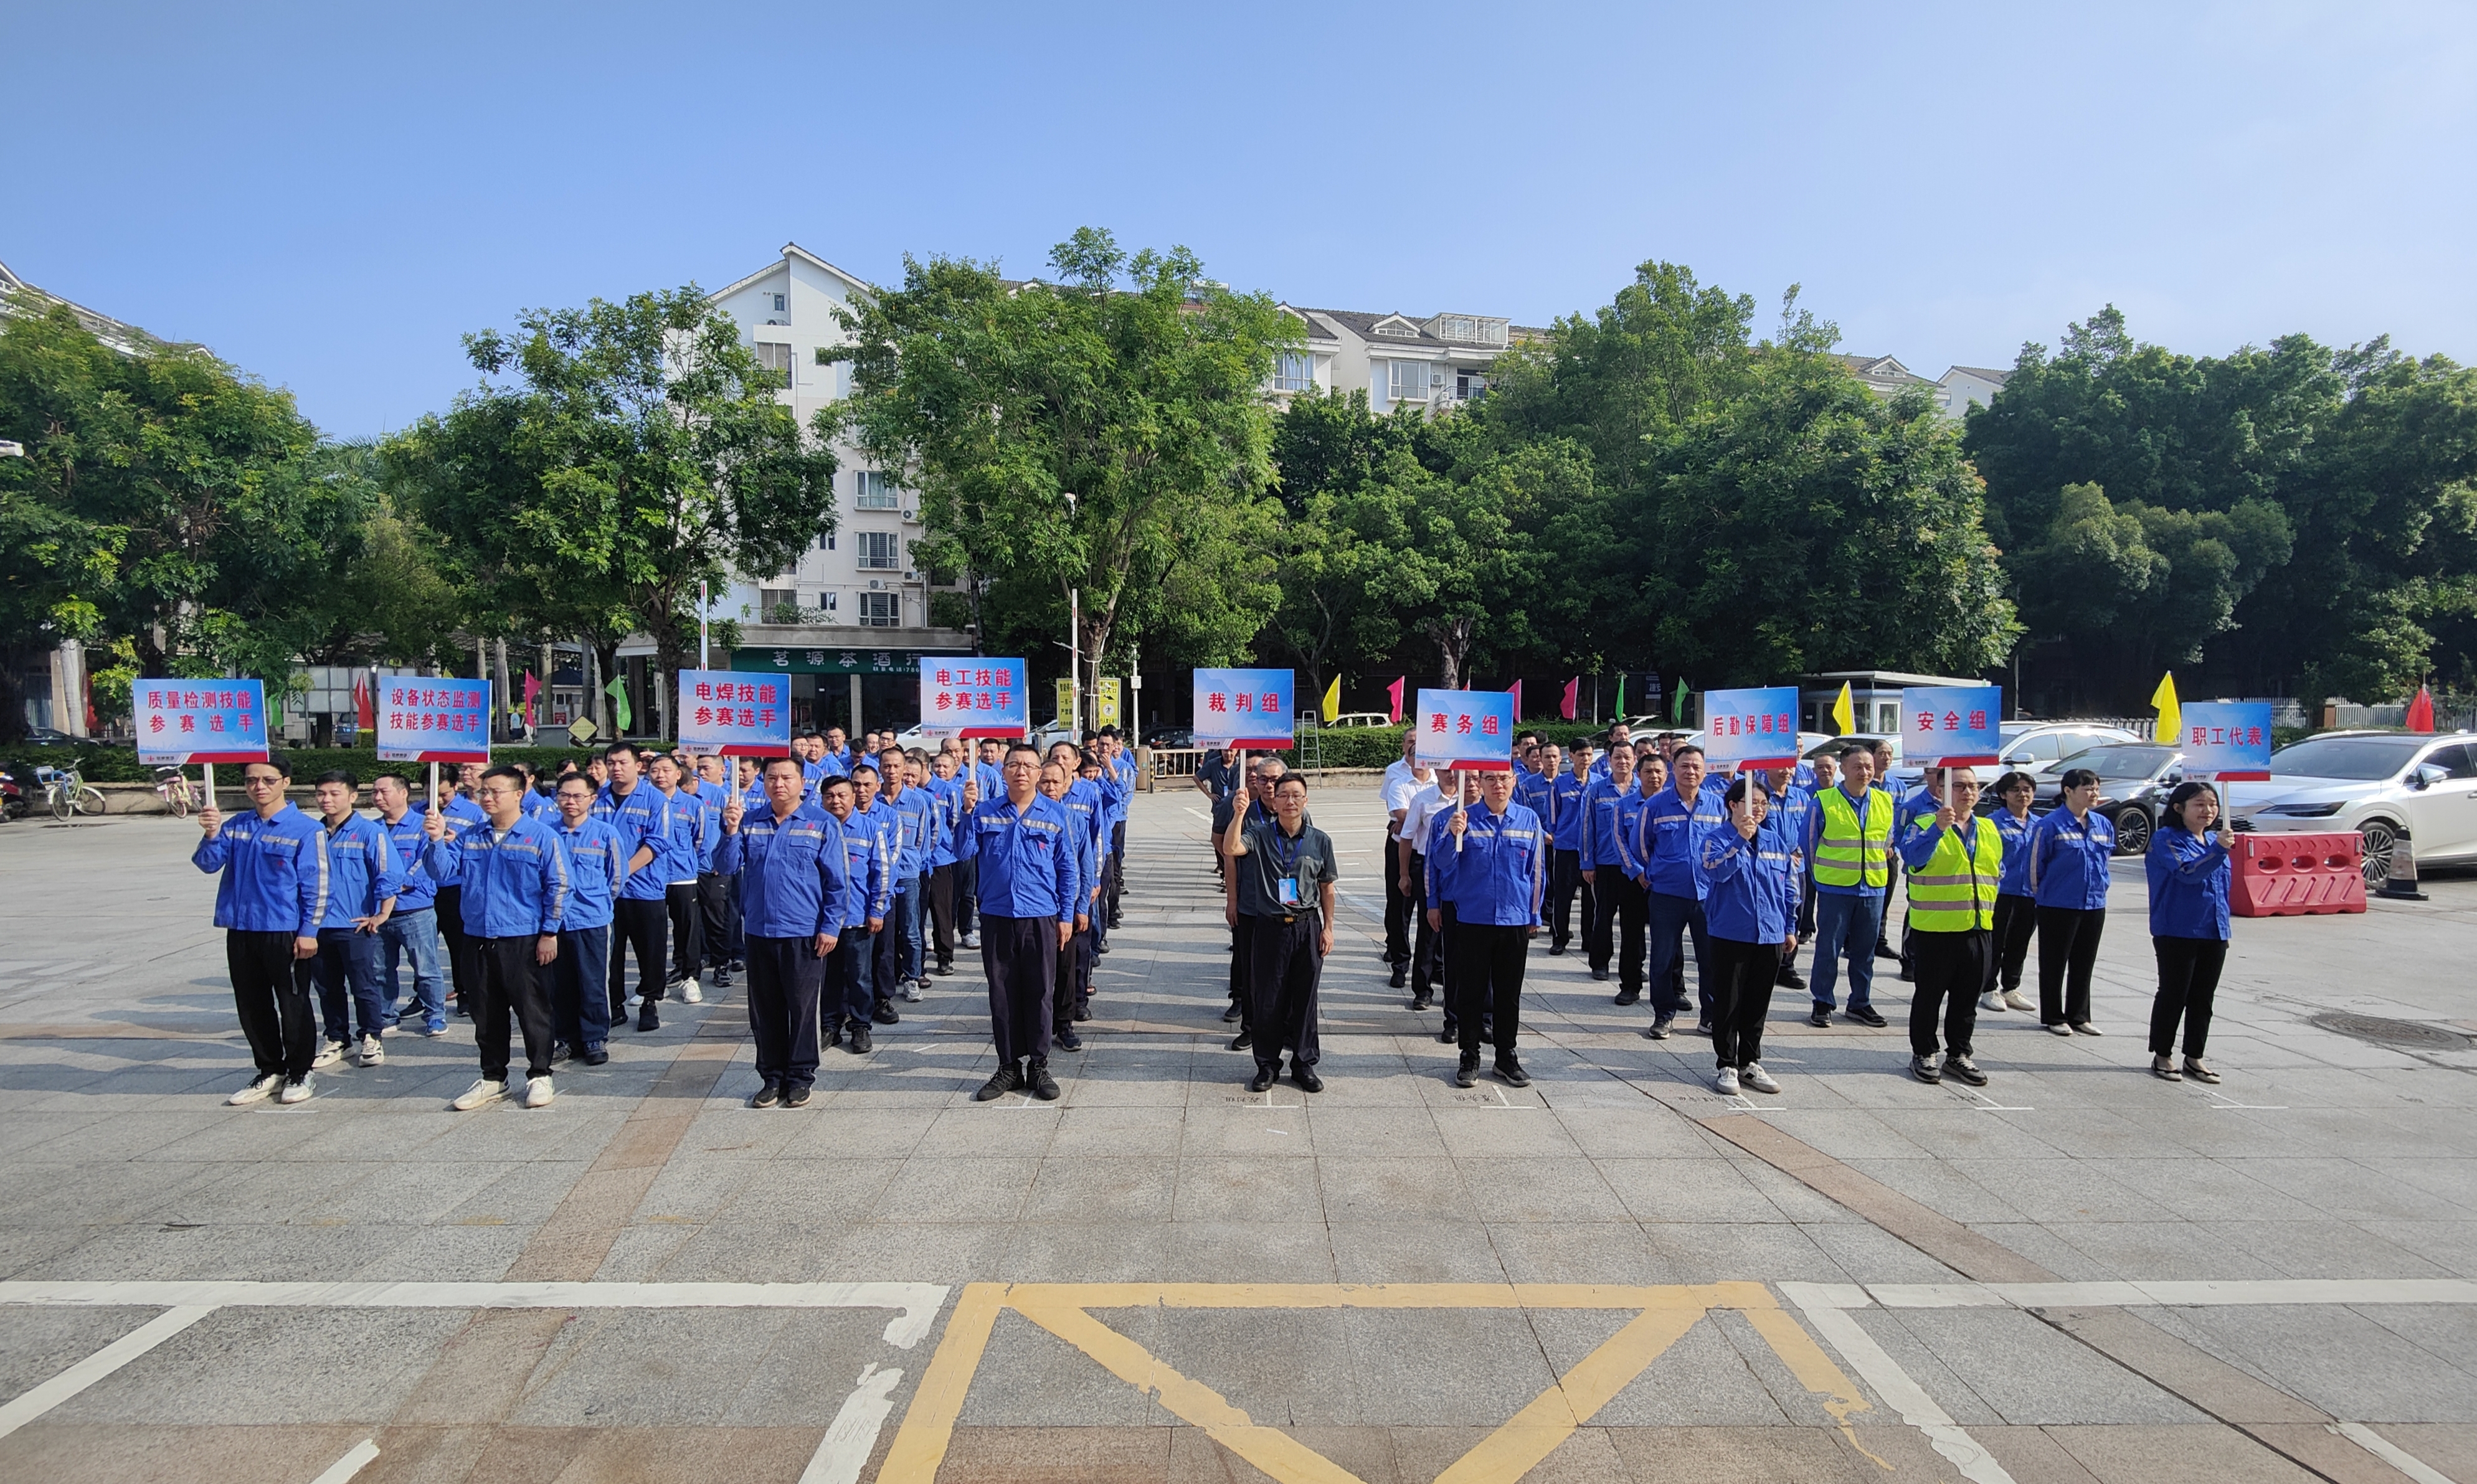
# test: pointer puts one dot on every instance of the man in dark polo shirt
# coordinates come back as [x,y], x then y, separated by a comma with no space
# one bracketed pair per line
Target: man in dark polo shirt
[1286,873]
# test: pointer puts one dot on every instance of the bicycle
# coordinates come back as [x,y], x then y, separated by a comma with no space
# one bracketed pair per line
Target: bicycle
[69,794]
[179,795]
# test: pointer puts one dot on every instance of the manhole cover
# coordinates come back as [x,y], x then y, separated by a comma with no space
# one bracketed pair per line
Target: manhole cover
[2383,1031]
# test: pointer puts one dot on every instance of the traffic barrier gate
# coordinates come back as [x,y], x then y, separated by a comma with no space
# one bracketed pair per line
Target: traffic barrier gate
[2296,875]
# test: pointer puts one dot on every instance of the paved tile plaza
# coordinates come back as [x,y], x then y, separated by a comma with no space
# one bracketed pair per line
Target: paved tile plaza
[2082,1274]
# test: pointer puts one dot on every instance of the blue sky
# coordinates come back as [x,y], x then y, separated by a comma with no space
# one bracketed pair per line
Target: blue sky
[329,199]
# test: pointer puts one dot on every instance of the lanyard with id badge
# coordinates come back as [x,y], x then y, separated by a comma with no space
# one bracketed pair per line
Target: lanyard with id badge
[1286,888]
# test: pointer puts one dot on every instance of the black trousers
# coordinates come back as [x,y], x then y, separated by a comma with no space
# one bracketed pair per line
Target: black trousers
[684,903]
[637,928]
[1020,954]
[1428,944]
[272,992]
[850,994]
[508,982]
[784,979]
[1600,921]
[2068,948]
[1564,882]
[1951,967]
[942,913]
[2188,978]
[1283,965]
[1624,901]
[1117,867]
[1743,975]
[967,895]
[1071,984]
[450,903]
[718,909]
[1399,905]
[2016,918]
[1242,948]
[1484,977]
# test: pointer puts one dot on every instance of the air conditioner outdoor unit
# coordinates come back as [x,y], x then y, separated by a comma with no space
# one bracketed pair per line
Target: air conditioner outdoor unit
[910,575]
[911,515]
[874,586]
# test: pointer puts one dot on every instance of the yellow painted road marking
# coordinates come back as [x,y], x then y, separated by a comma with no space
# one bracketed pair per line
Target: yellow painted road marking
[1664,1314]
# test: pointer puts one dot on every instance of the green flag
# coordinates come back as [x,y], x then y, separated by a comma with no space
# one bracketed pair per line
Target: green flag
[617,691]
[1620,711]
[1677,707]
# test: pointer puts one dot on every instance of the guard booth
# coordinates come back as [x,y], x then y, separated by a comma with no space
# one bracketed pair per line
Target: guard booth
[1874,697]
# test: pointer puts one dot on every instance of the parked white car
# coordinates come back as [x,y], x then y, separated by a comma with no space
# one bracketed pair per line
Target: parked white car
[2375,783]
[2034,748]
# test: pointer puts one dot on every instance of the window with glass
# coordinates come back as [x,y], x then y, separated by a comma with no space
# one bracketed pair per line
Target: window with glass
[775,356]
[880,551]
[1293,373]
[877,492]
[1408,380]
[881,610]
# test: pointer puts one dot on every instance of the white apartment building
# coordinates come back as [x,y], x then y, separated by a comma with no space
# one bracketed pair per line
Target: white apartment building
[1435,363]
[1954,393]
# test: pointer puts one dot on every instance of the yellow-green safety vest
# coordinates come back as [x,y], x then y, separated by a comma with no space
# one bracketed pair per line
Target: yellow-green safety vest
[1849,854]
[1955,891]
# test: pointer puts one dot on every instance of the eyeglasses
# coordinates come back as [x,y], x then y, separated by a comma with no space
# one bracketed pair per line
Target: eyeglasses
[262,781]
[494,791]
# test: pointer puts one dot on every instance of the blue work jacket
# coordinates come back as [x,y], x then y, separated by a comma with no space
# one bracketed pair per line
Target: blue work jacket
[1674,829]
[1630,809]
[1531,791]
[912,828]
[793,873]
[1566,814]
[2016,836]
[1749,887]
[1027,858]
[1496,877]
[1085,794]
[2189,884]
[514,887]
[363,870]
[868,885]
[1600,847]
[274,872]
[416,892]
[706,800]
[2069,859]
[683,854]
[642,818]
[593,865]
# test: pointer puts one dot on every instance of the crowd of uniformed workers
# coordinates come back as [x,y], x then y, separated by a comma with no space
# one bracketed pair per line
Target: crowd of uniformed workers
[838,878]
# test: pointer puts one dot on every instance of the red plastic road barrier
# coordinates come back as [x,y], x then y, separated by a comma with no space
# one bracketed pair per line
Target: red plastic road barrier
[2296,875]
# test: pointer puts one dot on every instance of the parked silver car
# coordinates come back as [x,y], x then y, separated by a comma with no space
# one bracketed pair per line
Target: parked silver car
[2375,783]
[2034,748]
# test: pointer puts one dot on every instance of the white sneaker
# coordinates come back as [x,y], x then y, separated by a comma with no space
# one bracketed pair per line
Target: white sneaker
[259,1091]
[2013,1000]
[912,991]
[330,1052]
[372,1052]
[1726,1083]
[1758,1079]
[539,1092]
[296,1092]
[692,992]
[971,940]
[481,1092]
[1992,1000]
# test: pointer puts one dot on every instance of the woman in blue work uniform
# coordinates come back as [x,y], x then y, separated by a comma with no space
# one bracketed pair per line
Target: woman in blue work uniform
[1749,885]
[2189,927]
[2070,848]
[2017,911]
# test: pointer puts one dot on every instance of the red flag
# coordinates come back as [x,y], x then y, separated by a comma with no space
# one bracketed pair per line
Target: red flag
[1572,701]
[1515,691]
[2420,711]
[364,709]
[533,688]
[1394,691]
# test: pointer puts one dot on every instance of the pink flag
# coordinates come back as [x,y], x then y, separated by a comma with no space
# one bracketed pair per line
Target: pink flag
[1571,703]
[1394,691]
[1515,691]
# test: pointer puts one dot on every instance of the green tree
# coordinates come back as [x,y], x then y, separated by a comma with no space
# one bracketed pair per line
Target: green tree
[635,451]
[1104,435]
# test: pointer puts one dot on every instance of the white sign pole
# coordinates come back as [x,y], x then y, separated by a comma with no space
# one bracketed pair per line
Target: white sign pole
[210,784]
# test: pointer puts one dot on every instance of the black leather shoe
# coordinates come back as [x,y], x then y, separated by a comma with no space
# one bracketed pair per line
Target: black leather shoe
[885,1014]
[834,1036]
[796,1097]
[1556,949]
[1305,1076]
[1262,1080]
[1467,1073]
[1883,950]
[1820,1018]
[1039,1083]
[596,1057]
[1629,996]
[1867,1016]
[1100,945]
[862,1042]
[1083,1012]
[646,1019]
[1234,1013]
[1789,978]
[1401,975]
[1451,1033]
[1420,1003]
[1064,1038]
[1600,973]
[766,1097]
[1004,1080]
[1243,1040]
[1510,1071]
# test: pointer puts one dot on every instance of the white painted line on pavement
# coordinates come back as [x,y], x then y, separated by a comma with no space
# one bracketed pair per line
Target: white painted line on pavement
[2391,1452]
[350,1464]
[1890,1383]
[95,1366]
[2179,1293]
[918,1301]
[852,1436]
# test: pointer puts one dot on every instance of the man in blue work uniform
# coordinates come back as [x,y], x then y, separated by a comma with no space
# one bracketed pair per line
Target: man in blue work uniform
[269,904]
[1286,878]
[987,780]
[1850,840]
[849,999]
[1534,772]
[364,875]
[945,790]
[718,915]
[514,876]
[1673,826]
[1604,860]
[411,932]
[463,814]
[1633,874]
[1121,760]
[689,850]
[1565,819]
[870,812]
[1916,807]
[1069,989]
[1498,879]
[1028,886]
[579,976]
[911,820]
[1793,811]
[1101,773]
[790,863]
[642,917]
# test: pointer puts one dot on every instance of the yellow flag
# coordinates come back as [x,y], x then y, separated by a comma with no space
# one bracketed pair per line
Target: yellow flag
[1333,698]
[2171,716]
[1844,713]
